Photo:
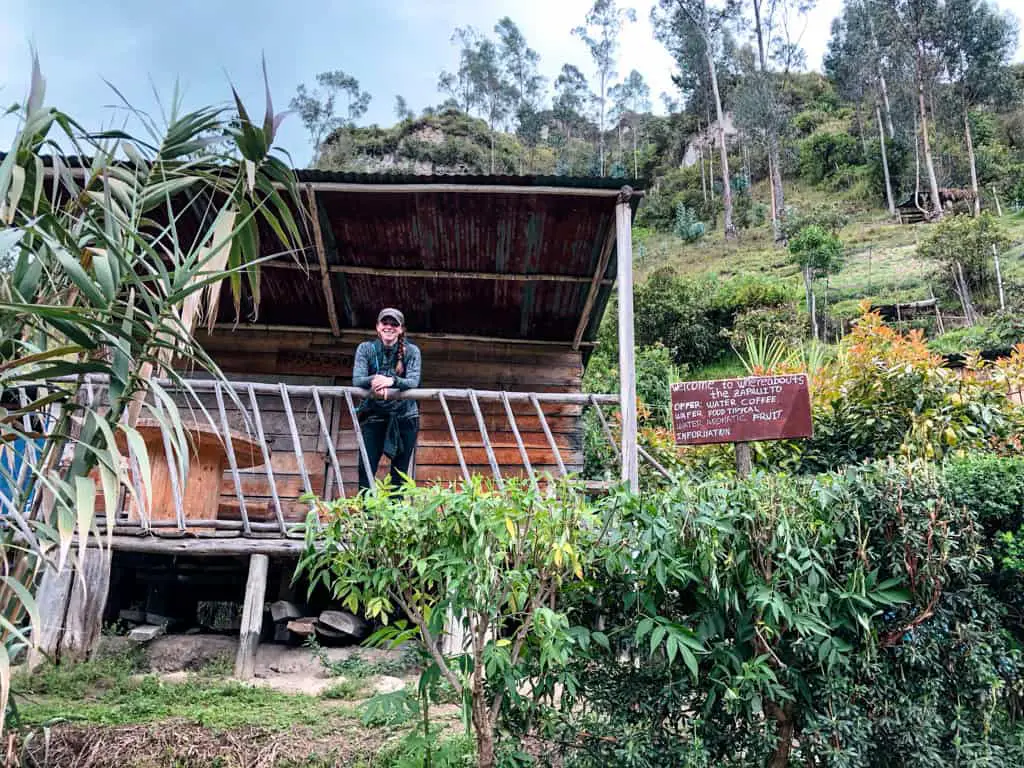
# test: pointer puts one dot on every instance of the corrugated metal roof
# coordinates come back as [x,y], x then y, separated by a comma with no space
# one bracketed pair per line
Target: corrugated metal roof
[451,231]
[563,182]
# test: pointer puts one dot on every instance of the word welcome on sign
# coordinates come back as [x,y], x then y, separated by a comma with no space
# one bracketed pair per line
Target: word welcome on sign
[741,410]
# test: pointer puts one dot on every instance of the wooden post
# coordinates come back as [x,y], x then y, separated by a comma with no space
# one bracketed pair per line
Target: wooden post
[999,208]
[744,461]
[627,362]
[999,277]
[252,616]
[84,619]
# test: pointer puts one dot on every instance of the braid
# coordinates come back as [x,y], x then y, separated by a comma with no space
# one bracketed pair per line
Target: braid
[400,364]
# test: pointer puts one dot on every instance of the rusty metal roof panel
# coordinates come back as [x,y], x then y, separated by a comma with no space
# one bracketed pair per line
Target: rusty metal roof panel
[459,237]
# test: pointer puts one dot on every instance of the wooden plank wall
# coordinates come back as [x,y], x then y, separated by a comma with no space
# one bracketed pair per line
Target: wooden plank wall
[319,358]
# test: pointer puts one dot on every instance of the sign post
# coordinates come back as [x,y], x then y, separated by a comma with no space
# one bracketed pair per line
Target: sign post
[741,411]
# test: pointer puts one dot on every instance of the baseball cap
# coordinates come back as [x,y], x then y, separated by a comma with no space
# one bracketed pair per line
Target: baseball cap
[391,312]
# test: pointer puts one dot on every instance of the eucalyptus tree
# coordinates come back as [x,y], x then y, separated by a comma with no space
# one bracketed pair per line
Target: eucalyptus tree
[771,23]
[977,44]
[694,27]
[855,64]
[525,84]
[632,99]
[601,31]
[317,108]
[917,28]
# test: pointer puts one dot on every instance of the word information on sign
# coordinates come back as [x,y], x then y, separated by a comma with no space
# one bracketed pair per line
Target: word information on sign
[741,410]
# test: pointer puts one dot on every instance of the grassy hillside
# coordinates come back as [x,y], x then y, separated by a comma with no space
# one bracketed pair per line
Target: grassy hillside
[880,260]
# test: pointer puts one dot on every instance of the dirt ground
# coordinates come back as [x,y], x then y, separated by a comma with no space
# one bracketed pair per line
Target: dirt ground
[184,745]
[341,739]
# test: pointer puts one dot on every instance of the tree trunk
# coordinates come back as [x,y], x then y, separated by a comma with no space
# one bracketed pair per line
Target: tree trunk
[885,103]
[917,167]
[785,729]
[974,167]
[809,289]
[730,229]
[926,143]
[885,163]
[881,76]
[485,752]
[774,169]
[778,201]
[636,161]
[703,173]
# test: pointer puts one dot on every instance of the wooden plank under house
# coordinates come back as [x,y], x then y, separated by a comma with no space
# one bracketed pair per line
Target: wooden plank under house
[503,282]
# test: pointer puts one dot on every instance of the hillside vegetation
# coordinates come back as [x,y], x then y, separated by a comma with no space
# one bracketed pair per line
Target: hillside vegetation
[852,153]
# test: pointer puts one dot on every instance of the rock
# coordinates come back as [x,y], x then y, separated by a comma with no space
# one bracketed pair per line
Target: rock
[282,610]
[146,633]
[388,684]
[134,616]
[302,627]
[322,630]
[346,623]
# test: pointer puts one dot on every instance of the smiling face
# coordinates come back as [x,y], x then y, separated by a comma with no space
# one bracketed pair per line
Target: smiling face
[389,330]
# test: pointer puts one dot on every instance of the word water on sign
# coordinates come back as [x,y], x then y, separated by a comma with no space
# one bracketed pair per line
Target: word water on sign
[741,410]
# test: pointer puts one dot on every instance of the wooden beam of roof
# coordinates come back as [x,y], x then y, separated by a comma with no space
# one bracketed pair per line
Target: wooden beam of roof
[363,332]
[495,189]
[439,274]
[595,283]
[321,254]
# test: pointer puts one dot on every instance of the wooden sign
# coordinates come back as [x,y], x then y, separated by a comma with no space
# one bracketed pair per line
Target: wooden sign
[741,410]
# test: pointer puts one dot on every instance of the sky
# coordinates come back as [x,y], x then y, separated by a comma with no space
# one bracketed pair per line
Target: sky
[392,47]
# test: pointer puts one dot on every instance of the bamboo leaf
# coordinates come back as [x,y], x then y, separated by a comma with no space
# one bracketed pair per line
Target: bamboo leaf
[85,507]
[137,448]
[28,603]
[80,278]
[5,684]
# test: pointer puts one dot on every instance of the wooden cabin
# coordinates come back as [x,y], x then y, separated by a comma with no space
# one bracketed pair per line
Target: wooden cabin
[503,282]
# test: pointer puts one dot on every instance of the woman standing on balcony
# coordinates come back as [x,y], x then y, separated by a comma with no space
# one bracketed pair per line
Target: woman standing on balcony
[389,427]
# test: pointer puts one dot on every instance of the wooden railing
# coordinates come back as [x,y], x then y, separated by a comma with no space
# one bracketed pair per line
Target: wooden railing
[257,449]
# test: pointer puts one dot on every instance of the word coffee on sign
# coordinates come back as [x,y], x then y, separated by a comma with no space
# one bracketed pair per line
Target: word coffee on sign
[741,410]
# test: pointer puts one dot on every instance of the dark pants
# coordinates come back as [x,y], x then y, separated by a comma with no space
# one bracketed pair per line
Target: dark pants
[374,433]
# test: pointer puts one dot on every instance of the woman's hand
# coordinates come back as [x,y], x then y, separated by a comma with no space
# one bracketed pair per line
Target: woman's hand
[381,384]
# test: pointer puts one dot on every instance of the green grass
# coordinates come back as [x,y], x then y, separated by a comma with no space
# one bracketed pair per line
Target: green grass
[111,692]
[880,259]
[345,690]
[727,368]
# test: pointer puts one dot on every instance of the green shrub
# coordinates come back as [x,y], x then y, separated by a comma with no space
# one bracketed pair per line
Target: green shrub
[824,154]
[965,242]
[848,611]
[783,323]
[991,486]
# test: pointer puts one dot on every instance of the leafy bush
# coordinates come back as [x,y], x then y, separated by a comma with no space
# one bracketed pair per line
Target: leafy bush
[824,154]
[998,334]
[967,242]
[807,121]
[491,561]
[828,217]
[783,323]
[841,620]
[887,393]
[991,486]
[817,251]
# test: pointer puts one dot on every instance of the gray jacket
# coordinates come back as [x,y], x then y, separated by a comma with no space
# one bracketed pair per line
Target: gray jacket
[372,357]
